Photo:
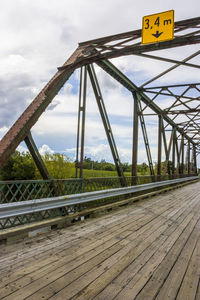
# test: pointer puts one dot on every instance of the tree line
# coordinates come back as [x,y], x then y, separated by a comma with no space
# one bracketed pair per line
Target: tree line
[20,166]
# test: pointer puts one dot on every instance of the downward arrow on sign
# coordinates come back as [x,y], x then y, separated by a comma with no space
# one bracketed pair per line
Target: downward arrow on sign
[157,34]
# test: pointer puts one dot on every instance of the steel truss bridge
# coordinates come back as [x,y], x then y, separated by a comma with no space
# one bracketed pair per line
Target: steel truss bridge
[180,118]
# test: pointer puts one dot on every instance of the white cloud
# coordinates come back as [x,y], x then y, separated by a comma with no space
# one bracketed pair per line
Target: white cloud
[45,149]
[102,151]
[21,149]
[3,131]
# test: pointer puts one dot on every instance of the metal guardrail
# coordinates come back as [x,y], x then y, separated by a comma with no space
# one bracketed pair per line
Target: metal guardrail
[23,190]
[32,206]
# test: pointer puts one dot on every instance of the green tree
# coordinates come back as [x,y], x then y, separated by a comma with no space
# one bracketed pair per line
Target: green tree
[108,167]
[126,167]
[144,168]
[58,165]
[19,166]
[87,163]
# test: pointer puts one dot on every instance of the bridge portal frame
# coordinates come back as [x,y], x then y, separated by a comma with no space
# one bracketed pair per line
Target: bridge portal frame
[99,51]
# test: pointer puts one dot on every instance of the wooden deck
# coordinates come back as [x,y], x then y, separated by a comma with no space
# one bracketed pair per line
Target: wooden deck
[149,250]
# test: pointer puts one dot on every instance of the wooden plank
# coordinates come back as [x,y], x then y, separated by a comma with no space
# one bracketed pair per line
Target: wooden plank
[62,270]
[153,253]
[174,278]
[74,254]
[138,283]
[69,254]
[58,272]
[86,257]
[152,287]
[190,282]
[63,241]
[95,236]
[198,291]
[90,291]
[126,296]
[106,271]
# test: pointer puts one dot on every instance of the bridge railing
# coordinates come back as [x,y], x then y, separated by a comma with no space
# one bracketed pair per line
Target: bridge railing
[17,191]
[23,190]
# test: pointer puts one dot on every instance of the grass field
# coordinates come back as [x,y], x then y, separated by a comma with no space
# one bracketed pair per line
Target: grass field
[100,173]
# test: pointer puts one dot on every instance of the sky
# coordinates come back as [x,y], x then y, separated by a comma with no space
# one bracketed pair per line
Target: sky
[37,36]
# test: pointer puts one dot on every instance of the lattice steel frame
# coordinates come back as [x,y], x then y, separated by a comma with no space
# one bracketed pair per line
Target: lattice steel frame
[187,32]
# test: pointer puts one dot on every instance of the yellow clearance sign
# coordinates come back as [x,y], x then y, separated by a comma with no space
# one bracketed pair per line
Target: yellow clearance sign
[158,27]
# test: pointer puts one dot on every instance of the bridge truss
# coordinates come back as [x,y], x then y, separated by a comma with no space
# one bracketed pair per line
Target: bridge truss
[181,117]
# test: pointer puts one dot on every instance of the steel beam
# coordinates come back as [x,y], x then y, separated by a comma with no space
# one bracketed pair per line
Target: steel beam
[106,123]
[173,151]
[169,60]
[194,84]
[188,158]
[127,83]
[145,137]
[179,25]
[165,147]
[92,55]
[177,154]
[78,125]
[135,138]
[171,68]
[195,160]
[36,156]
[159,145]
[81,123]
[182,168]
[170,143]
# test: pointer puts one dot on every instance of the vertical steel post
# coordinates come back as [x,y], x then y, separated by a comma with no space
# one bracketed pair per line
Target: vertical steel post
[166,150]
[145,136]
[36,156]
[78,125]
[83,108]
[177,154]
[159,146]
[182,155]
[195,159]
[169,150]
[188,157]
[81,123]
[135,140]
[173,151]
